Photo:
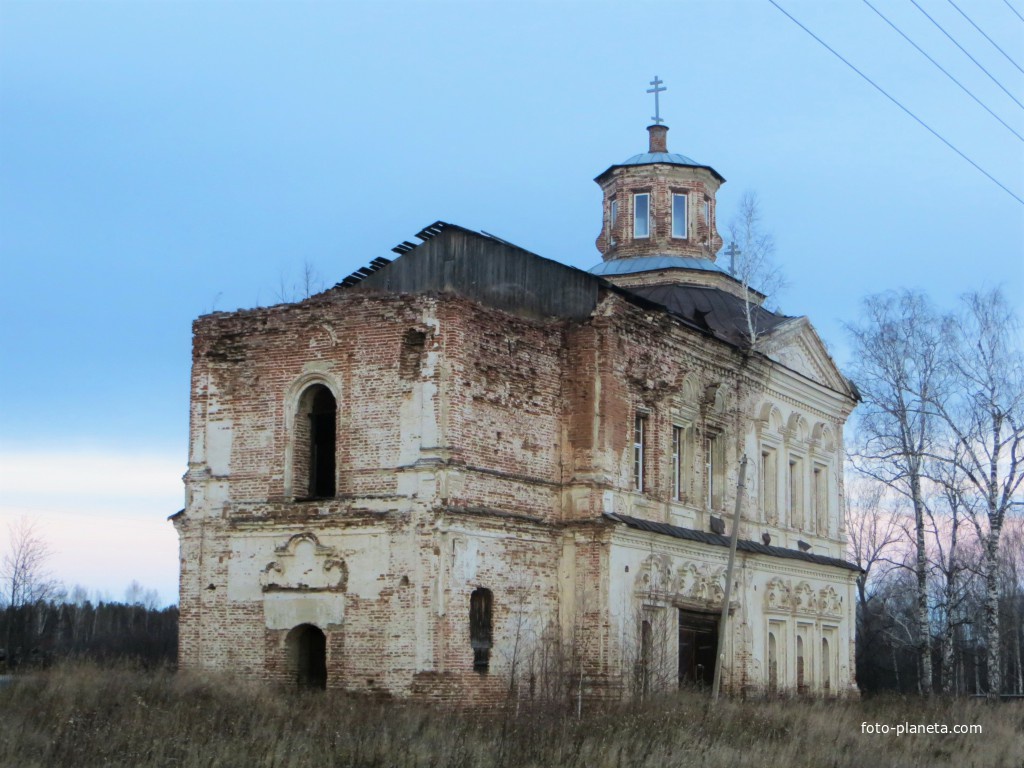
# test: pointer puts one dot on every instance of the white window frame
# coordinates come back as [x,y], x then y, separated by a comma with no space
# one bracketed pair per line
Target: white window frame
[678,437]
[636,220]
[769,484]
[830,634]
[639,440]
[686,203]
[707,214]
[805,635]
[714,471]
[781,629]
[819,492]
[797,506]
[613,214]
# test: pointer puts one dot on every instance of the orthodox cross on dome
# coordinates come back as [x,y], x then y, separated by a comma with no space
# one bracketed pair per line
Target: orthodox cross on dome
[657,107]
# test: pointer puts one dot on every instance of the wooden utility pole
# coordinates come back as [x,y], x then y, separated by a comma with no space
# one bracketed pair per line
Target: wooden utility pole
[723,624]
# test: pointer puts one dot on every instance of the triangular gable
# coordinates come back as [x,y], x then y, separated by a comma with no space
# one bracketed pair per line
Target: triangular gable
[796,345]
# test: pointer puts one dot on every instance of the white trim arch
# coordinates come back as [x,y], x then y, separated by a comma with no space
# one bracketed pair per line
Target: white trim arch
[768,435]
[824,480]
[682,453]
[824,438]
[292,401]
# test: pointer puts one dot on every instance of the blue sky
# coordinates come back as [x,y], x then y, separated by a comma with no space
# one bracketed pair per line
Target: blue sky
[160,160]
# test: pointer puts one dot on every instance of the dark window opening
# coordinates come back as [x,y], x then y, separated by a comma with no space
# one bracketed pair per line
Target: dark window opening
[826,666]
[698,648]
[480,637]
[307,650]
[646,650]
[413,346]
[323,416]
[714,453]
[801,685]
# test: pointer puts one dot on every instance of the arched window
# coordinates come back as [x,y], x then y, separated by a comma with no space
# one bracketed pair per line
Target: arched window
[480,635]
[315,465]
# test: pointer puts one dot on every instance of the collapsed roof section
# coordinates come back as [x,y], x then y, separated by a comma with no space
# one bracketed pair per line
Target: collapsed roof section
[485,268]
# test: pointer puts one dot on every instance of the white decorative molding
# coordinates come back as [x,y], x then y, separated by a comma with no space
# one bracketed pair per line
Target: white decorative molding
[303,564]
[782,597]
[688,583]
[797,346]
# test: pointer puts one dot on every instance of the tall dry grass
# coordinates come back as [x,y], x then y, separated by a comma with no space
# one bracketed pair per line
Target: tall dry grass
[84,715]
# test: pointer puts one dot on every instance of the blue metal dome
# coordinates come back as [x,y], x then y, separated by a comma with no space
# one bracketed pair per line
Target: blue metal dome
[672,158]
[653,263]
[663,158]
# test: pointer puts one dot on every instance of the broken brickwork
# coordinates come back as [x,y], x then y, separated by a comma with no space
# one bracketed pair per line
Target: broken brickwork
[474,473]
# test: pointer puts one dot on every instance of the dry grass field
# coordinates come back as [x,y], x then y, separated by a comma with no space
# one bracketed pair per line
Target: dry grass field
[80,716]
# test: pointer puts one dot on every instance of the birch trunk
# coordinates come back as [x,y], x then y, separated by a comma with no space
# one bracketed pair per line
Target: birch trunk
[924,655]
[1020,672]
[995,679]
[949,640]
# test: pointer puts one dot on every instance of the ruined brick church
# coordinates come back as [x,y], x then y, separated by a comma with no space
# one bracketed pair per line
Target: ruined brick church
[472,472]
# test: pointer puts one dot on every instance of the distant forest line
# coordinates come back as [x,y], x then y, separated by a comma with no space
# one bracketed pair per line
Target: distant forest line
[41,633]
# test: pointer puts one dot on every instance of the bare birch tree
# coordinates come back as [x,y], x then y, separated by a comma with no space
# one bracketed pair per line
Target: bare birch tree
[899,371]
[24,577]
[986,421]
[946,519]
[23,571]
[751,251]
[1013,587]
[872,531]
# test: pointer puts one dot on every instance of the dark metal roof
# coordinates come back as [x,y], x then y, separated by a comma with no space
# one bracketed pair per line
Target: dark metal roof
[711,308]
[743,545]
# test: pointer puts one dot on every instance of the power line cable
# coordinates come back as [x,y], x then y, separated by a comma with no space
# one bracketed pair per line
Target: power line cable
[879,88]
[1013,9]
[991,76]
[943,71]
[994,44]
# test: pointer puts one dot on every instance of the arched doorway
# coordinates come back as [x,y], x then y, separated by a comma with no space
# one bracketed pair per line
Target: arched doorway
[307,656]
